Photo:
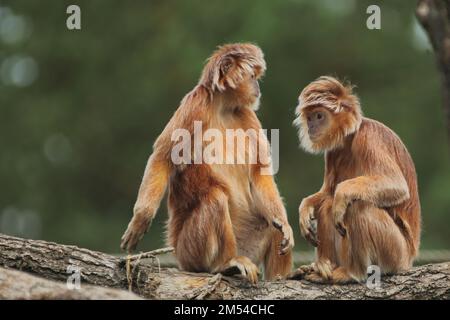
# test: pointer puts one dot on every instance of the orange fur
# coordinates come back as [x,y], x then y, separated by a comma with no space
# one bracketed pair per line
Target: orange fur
[220,215]
[368,209]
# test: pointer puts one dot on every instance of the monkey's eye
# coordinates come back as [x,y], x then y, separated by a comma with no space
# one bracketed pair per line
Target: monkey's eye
[308,118]
[253,76]
[319,116]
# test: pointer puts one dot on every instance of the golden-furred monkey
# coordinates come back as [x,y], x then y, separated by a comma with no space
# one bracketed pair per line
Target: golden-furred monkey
[223,217]
[367,211]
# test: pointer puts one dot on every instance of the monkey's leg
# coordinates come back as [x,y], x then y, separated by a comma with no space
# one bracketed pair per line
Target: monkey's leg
[207,241]
[276,265]
[373,239]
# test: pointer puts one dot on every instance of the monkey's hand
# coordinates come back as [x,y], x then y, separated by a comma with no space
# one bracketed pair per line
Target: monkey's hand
[340,204]
[287,243]
[308,222]
[137,227]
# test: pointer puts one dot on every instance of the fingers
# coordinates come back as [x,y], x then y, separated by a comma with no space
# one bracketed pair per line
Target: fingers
[308,225]
[339,223]
[312,238]
[301,272]
[316,278]
[298,274]
[134,233]
[129,241]
[339,208]
[341,229]
[324,268]
[287,243]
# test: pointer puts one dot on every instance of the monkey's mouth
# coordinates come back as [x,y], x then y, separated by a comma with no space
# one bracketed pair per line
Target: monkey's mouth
[314,134]
[257,95]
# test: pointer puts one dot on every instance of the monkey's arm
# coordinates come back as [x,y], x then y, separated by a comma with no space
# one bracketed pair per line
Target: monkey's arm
[151,191]
[271,206]
[385,188]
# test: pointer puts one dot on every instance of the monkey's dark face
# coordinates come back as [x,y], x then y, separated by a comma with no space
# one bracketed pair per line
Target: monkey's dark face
[318,121]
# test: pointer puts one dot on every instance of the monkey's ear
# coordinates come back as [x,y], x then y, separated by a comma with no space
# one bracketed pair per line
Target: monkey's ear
[227,73]
[226,64]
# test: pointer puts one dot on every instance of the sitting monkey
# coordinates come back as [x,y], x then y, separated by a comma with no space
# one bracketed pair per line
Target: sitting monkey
[367,211]
[225,218]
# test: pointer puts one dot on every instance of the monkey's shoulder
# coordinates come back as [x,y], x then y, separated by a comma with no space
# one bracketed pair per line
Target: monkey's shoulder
[376,133]
[376,140]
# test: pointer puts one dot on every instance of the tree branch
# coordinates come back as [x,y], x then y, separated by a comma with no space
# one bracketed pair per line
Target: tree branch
[434,15]
[50,260]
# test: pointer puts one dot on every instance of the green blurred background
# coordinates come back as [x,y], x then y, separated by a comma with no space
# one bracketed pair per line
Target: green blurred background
[79,110]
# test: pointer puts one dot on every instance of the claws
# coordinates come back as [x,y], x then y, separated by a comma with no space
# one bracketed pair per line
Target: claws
[300,273]
[296,275]
[341,229]
[244,266]
[308,225]
[318,272]
[287,242]
[312,238]
[135,232]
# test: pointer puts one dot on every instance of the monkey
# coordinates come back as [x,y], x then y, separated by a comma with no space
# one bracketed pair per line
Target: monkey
[367,211]
[223,218]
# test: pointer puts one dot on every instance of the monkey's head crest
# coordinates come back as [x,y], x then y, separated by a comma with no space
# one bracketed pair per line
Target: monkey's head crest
[230,64]
[342,104]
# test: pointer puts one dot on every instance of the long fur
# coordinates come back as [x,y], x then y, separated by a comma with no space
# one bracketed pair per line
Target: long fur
[234,61]
[370,186]
[328,92]
[220,215]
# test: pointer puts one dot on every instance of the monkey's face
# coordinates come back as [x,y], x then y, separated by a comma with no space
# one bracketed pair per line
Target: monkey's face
[247,93]
[321,129]
[251,87]
[327,113]
[318,122]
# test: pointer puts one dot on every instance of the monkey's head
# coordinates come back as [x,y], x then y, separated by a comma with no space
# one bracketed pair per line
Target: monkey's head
[327,112]
[233,72]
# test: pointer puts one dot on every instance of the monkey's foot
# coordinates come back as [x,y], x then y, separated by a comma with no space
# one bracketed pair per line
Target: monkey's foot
[243,266]
[324,268]
[338,276]
[301,272]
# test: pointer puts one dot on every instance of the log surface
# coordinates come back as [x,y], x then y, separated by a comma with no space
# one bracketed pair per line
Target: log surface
[50,261]
[21,285]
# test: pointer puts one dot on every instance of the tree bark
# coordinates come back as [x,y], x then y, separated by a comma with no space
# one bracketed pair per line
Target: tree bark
[20,285]
[434,15]
[51,261]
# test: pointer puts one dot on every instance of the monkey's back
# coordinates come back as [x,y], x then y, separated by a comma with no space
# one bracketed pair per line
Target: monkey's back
[407,215]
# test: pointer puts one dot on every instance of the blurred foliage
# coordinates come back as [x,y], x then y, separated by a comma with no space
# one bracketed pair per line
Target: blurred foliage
[81,109]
